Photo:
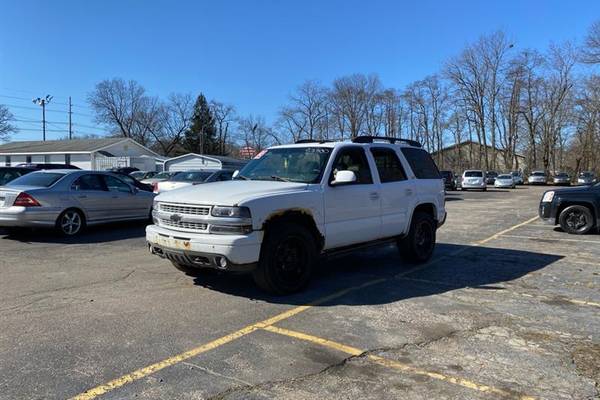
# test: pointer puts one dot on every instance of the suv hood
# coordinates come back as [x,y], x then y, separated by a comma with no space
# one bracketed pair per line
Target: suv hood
[228,193]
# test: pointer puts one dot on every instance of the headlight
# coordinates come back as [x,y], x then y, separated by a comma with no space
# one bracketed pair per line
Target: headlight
[548,197]
[231,212]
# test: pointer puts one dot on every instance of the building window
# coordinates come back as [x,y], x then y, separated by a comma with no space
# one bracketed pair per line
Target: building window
[47,159]
[28,159]
[68,159]
[7,161]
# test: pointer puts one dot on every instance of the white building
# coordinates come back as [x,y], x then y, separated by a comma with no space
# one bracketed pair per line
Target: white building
[194,161]
[91,154]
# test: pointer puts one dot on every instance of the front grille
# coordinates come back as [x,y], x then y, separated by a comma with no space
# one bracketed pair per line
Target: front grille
[183,224]
[186,210]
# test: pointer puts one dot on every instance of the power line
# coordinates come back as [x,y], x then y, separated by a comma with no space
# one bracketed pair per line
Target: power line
[55,111]
[58,103]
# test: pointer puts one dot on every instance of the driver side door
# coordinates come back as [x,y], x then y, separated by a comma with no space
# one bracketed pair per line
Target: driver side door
[353,210]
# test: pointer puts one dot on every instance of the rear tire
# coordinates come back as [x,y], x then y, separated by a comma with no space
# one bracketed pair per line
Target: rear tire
[70,222]
[417,247]
[576,220]
[287,257]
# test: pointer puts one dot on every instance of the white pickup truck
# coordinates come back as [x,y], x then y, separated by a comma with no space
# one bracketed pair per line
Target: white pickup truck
[293,203]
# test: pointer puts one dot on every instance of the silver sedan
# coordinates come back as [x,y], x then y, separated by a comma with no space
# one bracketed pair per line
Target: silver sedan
[70,200]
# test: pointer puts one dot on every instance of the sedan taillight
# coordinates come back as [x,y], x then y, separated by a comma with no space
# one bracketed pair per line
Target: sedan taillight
[26,200]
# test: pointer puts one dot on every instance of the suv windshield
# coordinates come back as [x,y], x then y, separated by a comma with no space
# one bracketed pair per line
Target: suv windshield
[191,176]
[474,174]
[38,179]
[538,174]
[294,164]
[505,177]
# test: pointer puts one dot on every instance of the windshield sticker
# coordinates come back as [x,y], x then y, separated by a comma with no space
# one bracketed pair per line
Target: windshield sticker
[259,155]
[318,150]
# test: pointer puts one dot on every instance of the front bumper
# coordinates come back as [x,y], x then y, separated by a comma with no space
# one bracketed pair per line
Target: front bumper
[28,217]
[547,213]
[241,252]
[537,181]
[504,185]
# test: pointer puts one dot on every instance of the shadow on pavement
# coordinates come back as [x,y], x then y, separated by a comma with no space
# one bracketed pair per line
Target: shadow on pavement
[94,234]
[479,267]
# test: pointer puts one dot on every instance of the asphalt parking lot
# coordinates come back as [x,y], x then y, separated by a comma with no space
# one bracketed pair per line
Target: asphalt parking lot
[508,308]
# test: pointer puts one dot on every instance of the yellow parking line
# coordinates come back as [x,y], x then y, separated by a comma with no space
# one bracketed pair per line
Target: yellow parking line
[553,239]
[395,364]
[505,231]
[146,371]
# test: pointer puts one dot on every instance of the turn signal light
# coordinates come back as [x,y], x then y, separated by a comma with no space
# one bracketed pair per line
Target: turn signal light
[26,200]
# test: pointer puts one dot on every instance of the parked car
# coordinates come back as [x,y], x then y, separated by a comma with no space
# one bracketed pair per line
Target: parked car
[473,179]
[517,177]
[295,202]
[141,175]
[537,178]
[576,210]
[586,178]
[8,174]
[561,178]
[160,177]
[71,200]
[449,182]
[505,181]
[46,166]
[190,178]
[123,170]
[490,177]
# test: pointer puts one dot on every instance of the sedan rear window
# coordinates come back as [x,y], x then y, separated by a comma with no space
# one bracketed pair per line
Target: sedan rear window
[474,174]
[37,179]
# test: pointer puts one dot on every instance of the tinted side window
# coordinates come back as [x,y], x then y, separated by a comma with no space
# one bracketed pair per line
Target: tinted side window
[353,159]
[388,165]
[421,163]
[116,185]
[88,182]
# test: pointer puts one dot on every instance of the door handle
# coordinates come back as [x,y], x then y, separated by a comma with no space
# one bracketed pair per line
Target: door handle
[83,196]
[374,195]
[408,192]
[115,197]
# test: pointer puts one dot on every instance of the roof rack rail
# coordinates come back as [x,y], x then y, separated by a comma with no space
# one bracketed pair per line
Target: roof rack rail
[392,140]
[301,141]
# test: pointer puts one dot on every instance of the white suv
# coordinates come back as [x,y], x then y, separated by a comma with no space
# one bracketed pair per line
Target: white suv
[295,202]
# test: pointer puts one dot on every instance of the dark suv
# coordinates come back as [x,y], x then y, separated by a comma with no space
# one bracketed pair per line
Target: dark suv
[576,210]
[449,181]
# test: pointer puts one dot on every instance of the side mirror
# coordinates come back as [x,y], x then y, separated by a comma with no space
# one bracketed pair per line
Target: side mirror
[235,174]
[343,178]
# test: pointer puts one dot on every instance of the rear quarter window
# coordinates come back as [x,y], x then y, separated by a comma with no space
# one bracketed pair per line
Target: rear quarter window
[421,163]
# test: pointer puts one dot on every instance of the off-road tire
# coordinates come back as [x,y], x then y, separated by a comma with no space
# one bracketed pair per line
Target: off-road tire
[287,258]
[576,220]
[417,247]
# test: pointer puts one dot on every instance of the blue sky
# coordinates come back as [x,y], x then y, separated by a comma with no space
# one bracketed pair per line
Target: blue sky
[249,53]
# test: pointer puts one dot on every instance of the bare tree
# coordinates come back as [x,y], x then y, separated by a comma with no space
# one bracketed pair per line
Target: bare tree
[590,53]
[224,115]
[6,123]
[125,109]
[255,133]
[353,98]
[174,119]
[306,114]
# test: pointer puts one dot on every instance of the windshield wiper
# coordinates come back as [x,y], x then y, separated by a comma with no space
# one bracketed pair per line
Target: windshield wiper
[242,177]
[279,178]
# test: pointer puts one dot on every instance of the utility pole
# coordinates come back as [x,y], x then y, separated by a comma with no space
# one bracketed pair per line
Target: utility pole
[42,102]
[70,126]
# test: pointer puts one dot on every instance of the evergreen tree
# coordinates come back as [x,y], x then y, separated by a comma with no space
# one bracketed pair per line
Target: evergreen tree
[201,136]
